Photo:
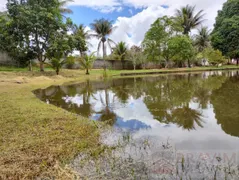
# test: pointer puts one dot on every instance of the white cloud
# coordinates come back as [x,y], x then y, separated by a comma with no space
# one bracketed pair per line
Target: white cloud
[108,9]
[3,5]
[138,24]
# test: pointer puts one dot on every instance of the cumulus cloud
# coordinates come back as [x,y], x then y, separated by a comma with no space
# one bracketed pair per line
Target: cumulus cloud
[137,25]
[132,29]
[3,5]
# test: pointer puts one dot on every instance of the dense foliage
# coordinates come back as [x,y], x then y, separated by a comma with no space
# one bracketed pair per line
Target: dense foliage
[226,30]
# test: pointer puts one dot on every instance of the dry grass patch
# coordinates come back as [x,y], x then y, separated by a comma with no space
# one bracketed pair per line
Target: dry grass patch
[35,136]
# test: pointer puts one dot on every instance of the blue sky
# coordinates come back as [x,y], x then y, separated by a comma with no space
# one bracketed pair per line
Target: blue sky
[86,15]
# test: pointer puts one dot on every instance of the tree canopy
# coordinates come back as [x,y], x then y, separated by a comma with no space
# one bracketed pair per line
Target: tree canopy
[226,30]
[30,28]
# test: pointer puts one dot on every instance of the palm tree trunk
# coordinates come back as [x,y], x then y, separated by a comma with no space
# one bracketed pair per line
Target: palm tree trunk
[87,71]
[57,71]
[104,54]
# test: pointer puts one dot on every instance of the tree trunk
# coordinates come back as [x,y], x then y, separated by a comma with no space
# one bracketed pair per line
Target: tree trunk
[134,67]
[189,65]
[57,71]
[180,64]
[122,62]
[41,66]
[30,65]
[87,71]
[104,54]
[237,61]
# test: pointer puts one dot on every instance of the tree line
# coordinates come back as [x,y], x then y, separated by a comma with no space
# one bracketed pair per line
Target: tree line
[40,30]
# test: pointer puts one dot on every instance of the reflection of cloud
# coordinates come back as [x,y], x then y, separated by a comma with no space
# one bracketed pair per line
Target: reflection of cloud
[78,100]
[135,116]
[136,109]
[208,138]
[131,125]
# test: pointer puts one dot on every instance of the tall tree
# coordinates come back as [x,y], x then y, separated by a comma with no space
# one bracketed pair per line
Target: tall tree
[226,30]
[14,35]
[103,28]
[63,8]
[202,39]
[135,55]
[181,49]
[33,23]
[188,19]
[59,47]
[156,39]
[81,37]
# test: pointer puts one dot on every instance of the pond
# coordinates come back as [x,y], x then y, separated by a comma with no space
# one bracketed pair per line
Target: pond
[196,112]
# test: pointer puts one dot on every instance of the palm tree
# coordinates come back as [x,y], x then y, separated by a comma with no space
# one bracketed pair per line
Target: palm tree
[202,39]
[87,62]
[56,64]
[121,49]
[188,19]
[103,28]
[62,6]
[81,36]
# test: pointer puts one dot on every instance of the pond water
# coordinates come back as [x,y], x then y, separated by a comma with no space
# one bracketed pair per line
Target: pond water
[194,111]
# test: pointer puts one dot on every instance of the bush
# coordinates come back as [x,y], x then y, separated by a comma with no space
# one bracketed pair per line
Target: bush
[213,56]
[70,62]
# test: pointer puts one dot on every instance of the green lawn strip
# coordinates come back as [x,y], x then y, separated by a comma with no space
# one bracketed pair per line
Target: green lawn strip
[176,70]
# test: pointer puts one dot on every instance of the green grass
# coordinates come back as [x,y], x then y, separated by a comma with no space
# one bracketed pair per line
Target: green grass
[172,70]
[16,69]
[34,136]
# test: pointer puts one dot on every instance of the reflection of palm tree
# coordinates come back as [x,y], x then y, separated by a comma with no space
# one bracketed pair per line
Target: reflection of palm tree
[87,92]
[122,92]
[203,97]
[186,117]
[107,115]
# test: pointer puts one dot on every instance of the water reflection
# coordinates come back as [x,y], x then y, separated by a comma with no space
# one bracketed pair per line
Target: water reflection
[181,100]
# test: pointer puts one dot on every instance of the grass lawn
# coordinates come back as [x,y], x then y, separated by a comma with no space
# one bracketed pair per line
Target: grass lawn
[35,137]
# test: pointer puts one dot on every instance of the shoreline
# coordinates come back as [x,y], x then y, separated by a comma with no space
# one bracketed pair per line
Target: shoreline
[168,71]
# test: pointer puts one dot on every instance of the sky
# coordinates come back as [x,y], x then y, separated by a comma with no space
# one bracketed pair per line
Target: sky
[133,17]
